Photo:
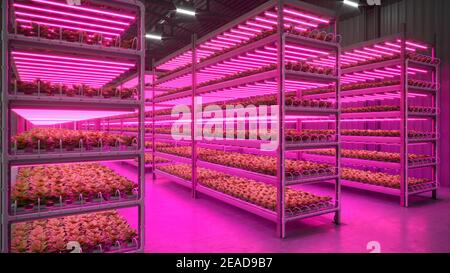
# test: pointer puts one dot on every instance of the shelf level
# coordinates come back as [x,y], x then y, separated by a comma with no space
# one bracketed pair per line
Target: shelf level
[173,178]
[71,211]
[62,45]
[389,191]
[66,157]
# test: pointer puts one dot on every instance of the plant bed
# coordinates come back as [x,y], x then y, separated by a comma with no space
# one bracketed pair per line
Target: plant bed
[82,90]
[378,178]
[74,36]
[48,140]
[66,184]
[93,231]
[308,34]
[389,108]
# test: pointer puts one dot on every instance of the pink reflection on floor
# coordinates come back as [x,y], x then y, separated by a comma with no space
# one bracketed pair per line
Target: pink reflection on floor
[177,223]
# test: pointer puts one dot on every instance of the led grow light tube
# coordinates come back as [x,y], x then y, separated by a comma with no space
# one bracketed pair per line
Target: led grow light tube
[228,39]
[288,19]
[211,47]
[16,5]
[222,43]
[255,63]
[262,57]
[378,51]
[253,59]
[249,29]
[362,120]
[72,68]
[236,36]
[259,25]
[291,52]
[352,58]
[399,71]
[215,45]
[67,21]
[39,61]
[65,77]
[64,81]
[67,27]
[63,72]
[368,53]
[242,33]
[413,44]
[357,56]
[399,46]
[307,49]
[387,48]
[415,69]
[387,72]
[71,59]
[237,66]
[306,16]
[69,72]
[380,74]
[85,9]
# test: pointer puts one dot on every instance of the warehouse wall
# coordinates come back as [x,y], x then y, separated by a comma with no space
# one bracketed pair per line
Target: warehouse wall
[427,20]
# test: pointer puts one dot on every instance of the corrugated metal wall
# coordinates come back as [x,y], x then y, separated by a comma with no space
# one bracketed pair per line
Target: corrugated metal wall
[427,20]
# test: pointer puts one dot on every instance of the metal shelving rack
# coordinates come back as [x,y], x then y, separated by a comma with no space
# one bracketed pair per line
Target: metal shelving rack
[396,65]
[10,98]
[189,70]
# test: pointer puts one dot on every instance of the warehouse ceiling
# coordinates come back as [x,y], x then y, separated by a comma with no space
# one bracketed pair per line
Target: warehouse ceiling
[177,29]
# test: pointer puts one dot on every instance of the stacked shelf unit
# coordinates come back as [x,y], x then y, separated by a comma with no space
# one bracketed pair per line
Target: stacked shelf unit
[262,58]
[390,117]
[64,64]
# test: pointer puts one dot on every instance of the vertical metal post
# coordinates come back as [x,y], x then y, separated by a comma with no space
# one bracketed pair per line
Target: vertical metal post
[403,122]
[281,202]
[141,89]
[4,130]
[436,104]
[337,215]
[194,116]
[153,121]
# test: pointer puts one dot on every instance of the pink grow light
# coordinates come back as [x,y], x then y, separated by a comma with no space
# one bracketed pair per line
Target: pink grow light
[91,10]
[67,70]
[72,59]
[20,6]
[26,14]
[67,27]
[267,20]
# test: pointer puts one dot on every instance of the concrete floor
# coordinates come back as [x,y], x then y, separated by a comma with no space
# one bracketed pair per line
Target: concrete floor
[177,223]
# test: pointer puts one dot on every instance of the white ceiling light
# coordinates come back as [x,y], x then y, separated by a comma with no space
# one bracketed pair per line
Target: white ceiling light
[351,3]
[186,12]
[153,36]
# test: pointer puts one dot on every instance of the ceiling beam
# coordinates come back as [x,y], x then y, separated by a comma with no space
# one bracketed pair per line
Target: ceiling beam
[160,3]
[168,21]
